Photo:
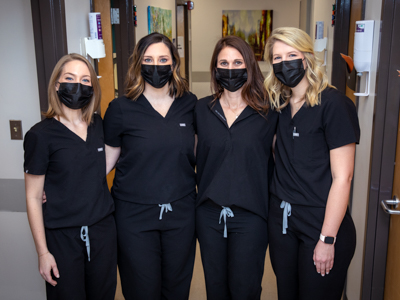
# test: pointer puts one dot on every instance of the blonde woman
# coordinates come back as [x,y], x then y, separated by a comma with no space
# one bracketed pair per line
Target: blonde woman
[74,231]
[312,235]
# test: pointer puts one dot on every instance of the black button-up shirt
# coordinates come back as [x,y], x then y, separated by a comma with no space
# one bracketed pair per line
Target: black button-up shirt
[234,163]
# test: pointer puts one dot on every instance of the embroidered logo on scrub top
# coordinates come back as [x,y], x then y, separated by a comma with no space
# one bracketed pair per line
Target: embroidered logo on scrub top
[295,133]
[100,149]
[182,124]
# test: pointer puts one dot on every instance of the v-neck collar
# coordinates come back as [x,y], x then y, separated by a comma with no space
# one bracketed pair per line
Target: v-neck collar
[73,133]
[216,108]
[147,103]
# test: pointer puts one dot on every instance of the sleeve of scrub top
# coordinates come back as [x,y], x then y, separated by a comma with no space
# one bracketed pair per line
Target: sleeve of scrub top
[341,122]
[113,125]
[36,156]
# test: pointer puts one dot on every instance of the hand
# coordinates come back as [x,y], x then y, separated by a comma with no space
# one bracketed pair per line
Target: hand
[44,199]
[323,257]
[46,264]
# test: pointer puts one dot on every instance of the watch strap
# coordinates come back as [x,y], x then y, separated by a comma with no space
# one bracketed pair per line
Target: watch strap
[327,239]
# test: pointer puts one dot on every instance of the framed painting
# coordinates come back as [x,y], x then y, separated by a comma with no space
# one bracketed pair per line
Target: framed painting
[253,26]
[160,20]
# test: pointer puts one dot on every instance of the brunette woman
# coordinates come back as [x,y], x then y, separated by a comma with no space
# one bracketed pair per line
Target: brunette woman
[149,134]
[235,129]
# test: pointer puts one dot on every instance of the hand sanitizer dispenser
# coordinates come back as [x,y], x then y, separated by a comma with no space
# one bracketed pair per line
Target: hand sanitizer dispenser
[363,42]
[94,47]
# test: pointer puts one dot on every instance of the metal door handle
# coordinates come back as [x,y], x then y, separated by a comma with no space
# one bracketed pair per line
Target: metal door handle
[395,202]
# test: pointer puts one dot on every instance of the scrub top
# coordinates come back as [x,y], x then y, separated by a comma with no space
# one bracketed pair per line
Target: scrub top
[156,164]
[234,163]
[302,171]
[75,172]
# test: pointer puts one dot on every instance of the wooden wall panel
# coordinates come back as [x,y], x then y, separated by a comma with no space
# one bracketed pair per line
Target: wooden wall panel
[105,65]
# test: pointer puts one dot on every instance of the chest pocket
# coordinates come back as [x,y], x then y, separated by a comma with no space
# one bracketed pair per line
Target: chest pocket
[309,149]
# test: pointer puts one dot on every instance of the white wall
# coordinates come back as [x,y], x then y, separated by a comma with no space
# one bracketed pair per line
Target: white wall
[207,28]
[363,158]
[142,22]
[77,23]
[19,100]
[19,95]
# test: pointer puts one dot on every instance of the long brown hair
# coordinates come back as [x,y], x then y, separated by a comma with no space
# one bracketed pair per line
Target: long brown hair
[253,91]
[55,107]
[134,80]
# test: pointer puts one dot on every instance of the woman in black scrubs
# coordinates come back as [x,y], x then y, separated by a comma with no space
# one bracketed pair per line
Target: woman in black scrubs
[312,235]
[235,129]
[150,132]
[74,231]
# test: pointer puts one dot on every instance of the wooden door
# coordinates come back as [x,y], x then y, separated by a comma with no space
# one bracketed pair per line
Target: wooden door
[392,286]
[381,274]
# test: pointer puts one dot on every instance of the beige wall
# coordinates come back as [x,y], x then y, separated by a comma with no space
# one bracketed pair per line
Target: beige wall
[321,10]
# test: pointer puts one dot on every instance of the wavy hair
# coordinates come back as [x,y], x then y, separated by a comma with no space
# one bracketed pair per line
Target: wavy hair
[134,80]
[279,93]
[55,107]
[253,93]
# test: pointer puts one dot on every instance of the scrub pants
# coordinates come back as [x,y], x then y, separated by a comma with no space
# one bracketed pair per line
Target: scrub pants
[292,253]
[233,266]
[156,257]
[81,279]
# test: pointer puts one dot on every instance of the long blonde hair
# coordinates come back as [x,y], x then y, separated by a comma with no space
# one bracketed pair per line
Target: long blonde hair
[279,93]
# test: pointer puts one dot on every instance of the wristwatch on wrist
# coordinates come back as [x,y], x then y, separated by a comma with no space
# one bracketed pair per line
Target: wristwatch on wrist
[327,239]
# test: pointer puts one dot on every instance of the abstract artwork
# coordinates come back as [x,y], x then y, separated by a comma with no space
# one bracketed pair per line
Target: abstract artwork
[253,26]
[160,20]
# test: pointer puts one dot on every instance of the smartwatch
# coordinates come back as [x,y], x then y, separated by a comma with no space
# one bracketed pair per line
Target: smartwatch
[327,239]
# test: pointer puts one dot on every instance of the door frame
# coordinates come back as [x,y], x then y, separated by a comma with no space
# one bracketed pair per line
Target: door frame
[50,38]
[383,154]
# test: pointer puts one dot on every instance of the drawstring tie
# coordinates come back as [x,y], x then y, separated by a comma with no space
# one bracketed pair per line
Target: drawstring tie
[85,238]
[226,211]
[164,207]
[287,211]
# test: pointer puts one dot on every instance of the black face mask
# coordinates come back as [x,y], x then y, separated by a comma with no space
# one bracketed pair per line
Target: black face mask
[74,95]
[289,72]
[157,76]
[231,79]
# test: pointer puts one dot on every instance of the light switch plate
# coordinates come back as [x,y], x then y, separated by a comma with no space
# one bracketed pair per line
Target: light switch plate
[16,130]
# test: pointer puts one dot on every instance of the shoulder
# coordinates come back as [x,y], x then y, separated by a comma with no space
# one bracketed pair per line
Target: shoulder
[97,118]
[272,115]
[40,131]
[204,103]
[121,101]
[332,97]
[42,126]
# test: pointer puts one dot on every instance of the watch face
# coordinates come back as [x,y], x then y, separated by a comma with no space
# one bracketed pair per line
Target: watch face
[329,240]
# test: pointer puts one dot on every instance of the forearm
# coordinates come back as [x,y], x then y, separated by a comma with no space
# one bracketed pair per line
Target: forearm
[35,218]
[112,156]
[336,206]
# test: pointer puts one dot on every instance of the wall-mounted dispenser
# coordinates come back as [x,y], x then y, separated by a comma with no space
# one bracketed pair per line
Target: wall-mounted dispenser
[94,46]
[363,42]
